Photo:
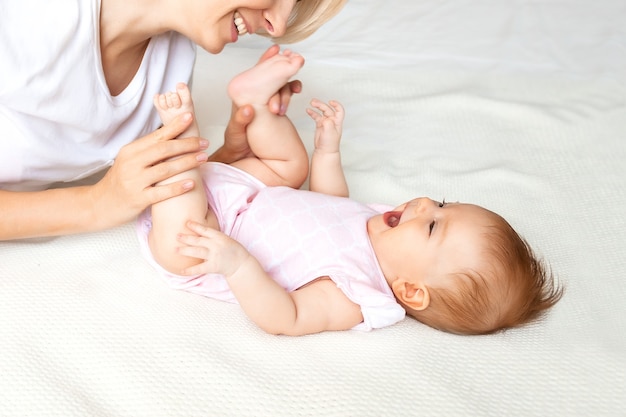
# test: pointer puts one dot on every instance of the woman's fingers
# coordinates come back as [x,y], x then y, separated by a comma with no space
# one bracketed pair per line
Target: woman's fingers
[166,191]
[235,132]
[295,87]
[128,186]
[279,102]
[165,133]
[162,144]
[236,145]
[160,155]
[158,171]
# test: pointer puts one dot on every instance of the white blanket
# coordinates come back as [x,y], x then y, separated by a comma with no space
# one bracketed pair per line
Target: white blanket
[519,106]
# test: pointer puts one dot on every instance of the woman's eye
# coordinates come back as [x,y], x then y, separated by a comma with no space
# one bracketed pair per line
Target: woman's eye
[430,227]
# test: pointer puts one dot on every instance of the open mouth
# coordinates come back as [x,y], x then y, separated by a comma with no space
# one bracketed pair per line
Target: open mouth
[240,24]
[392,218]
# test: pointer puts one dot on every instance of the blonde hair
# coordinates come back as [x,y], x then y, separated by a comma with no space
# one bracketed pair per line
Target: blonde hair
[517,288]
[307,16]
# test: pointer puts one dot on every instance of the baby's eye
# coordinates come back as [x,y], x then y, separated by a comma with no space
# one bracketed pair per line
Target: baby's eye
[443,203]
[430,227]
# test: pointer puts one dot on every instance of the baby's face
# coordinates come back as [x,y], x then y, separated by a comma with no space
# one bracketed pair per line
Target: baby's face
[427,240]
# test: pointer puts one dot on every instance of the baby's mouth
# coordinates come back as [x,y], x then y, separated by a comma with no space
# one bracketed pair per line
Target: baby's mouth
[240,24]
[392,218]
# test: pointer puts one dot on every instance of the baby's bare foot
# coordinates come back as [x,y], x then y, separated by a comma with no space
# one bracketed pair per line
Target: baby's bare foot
[258,84]
[174,103]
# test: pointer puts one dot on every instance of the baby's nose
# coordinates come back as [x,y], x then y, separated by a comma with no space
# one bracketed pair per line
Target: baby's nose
[425,202]
[423,205]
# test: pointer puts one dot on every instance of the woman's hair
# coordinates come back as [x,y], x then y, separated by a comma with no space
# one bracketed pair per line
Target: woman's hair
[514,289]
[308,16]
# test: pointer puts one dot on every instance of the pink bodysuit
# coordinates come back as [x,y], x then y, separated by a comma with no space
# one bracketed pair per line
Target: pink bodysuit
[297,236]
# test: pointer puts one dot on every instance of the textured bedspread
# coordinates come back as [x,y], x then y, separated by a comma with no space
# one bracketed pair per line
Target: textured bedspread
[519,106]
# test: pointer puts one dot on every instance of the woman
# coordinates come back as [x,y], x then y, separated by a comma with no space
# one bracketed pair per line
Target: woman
[76,85]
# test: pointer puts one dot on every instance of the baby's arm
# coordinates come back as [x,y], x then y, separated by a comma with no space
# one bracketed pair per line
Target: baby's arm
[169,216]
[316,307]
[327,174]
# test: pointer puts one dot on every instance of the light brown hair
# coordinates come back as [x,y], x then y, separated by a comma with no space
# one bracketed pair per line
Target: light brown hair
[515,288]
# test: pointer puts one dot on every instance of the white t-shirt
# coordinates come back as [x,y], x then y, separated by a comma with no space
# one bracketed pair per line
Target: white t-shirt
[58,120]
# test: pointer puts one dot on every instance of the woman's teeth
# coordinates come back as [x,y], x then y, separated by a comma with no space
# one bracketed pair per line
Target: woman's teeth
[241,26]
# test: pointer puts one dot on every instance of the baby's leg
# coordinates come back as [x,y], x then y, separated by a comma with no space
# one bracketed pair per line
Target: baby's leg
[280,157]
[174,103]
[169,217]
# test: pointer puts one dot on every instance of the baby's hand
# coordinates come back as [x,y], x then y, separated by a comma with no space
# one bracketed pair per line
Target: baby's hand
[221,254]
[328,124]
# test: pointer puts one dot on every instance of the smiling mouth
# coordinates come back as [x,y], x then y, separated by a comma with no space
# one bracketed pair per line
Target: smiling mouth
[240,24]
[392,218]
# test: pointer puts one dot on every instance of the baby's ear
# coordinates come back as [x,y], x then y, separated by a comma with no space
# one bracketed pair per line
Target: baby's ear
[413,295]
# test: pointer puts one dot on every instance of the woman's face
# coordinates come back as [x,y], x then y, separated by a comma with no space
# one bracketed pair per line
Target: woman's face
[211,24]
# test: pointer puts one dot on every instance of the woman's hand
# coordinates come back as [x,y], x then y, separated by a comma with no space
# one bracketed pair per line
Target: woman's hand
[235,145]
[128,187]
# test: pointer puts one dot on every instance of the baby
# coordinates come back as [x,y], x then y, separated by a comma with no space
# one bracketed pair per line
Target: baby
[301,262]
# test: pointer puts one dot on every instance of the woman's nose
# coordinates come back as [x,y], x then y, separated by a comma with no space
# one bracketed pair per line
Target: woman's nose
[276,19]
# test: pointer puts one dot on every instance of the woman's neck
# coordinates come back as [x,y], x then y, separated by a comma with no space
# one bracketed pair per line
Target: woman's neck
[123,27]
[124,38]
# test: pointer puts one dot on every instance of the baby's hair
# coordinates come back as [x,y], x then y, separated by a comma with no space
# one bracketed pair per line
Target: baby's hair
[516,288]
[306,17]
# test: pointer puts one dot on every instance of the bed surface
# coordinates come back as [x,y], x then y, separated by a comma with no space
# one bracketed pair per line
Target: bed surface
[519,106]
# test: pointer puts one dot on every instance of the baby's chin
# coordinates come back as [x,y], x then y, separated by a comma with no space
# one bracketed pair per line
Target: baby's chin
[376,224]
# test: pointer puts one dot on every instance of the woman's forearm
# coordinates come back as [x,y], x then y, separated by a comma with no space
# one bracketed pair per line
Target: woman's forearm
[47,213]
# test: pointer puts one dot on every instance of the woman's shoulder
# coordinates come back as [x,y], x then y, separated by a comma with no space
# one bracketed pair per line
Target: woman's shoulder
[36,32]
[43,24]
